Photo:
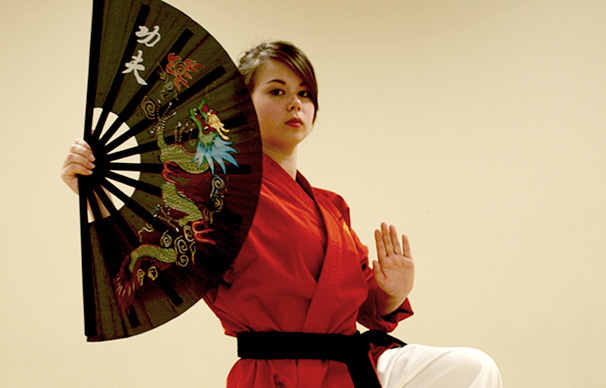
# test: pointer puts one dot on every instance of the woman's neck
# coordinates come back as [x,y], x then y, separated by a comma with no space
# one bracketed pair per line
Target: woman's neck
[288,161]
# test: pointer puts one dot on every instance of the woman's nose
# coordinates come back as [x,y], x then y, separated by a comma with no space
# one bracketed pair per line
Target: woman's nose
[294,103]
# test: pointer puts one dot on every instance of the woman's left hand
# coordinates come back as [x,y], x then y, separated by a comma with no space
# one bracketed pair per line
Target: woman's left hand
[394,270]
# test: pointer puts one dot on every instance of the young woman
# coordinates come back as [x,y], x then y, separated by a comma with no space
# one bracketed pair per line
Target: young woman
[302,279]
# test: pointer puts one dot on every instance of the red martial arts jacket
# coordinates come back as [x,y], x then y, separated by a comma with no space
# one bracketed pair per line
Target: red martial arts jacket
[301,269]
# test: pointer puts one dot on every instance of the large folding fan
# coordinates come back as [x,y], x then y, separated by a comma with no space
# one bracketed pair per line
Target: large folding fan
[178,167]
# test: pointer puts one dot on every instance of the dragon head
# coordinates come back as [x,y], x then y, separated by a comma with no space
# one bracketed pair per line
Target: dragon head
[213,145]
[208,123]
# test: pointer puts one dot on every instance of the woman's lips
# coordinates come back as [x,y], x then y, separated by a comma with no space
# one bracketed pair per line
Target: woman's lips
[295,122]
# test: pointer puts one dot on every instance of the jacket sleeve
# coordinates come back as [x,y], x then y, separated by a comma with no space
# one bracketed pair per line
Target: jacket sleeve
[369,314]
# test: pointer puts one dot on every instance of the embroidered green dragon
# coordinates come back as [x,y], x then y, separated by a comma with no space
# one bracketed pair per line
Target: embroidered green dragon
[196,217]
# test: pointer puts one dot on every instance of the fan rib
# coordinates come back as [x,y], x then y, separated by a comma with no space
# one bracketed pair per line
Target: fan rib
[138,150]
[93,67]
[244,169]
[152,168]
[169,290]
[202,83]
[90,324]
[140,185]
[235,122]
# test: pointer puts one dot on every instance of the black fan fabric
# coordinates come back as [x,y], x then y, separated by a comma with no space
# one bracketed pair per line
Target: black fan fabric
[162,90]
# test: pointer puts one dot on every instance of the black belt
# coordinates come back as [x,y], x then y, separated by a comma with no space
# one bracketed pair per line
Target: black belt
[351,350]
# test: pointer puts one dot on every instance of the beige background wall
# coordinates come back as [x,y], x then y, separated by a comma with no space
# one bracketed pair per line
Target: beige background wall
[478,127]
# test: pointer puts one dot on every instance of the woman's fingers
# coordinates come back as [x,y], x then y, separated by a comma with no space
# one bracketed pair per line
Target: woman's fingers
[395,240]
[406,246]
[82,149]
[380,245]
[389,239]
[79,161]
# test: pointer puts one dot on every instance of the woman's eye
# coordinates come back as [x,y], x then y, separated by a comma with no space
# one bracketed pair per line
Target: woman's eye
[305,94]
[276,92]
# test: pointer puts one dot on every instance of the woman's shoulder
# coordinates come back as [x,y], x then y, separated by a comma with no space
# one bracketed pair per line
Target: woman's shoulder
[333,199]
[328,194]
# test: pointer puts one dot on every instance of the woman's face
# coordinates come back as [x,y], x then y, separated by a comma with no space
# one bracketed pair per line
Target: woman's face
[283,105]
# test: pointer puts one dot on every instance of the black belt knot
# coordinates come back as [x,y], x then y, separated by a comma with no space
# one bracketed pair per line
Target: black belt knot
[349,349]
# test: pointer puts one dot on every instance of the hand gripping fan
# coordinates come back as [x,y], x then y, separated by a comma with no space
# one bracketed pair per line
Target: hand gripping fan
[178,167]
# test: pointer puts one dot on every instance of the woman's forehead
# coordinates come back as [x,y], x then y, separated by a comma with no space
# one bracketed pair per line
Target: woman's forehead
[273,71]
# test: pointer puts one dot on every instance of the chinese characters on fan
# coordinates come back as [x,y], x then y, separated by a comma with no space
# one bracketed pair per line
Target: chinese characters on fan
[177,67]
[149,39]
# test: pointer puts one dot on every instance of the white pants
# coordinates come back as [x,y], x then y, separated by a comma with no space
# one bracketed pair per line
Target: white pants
[420,366]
